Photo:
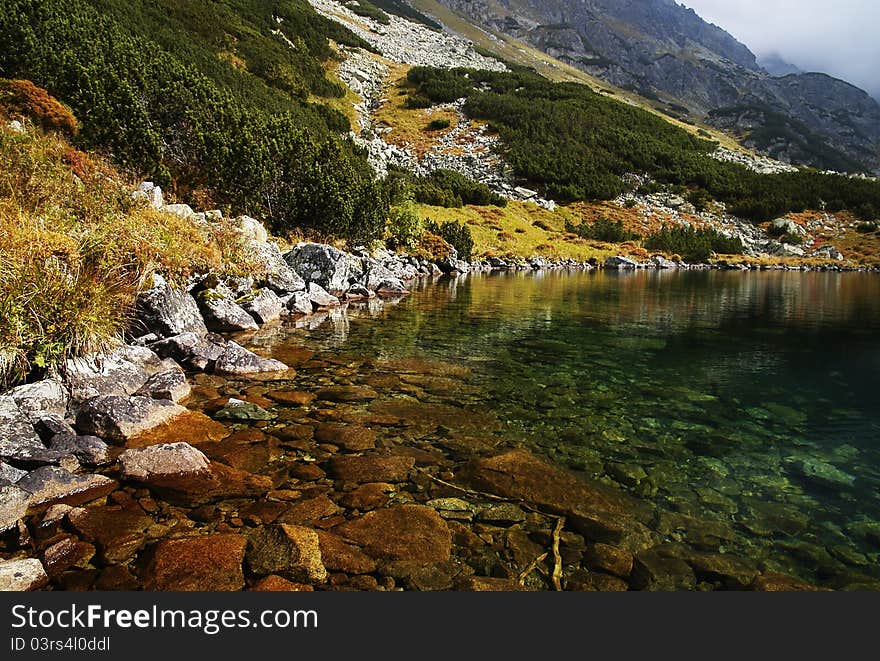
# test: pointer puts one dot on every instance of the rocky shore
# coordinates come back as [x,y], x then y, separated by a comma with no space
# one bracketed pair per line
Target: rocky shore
[302,472]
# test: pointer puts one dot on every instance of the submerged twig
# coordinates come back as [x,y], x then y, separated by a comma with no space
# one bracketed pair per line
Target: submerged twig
[556,577]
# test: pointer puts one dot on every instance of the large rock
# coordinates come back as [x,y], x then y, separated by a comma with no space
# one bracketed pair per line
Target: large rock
[347,394]
[41,398]
[65,554]
[89,450]
[51,424]
[338,555]
[235,359]
[211,563]
[221,313]
[194,350]
[265,306]
[13,505]
[251,229]
[15,427]
[291,551]
[300,303]
[371,468]
[116,419]
[170,384]
[166,311]
[601,513]
[320,298]
[657,572]
[413,533]
[349,437]
[22,575]
[51,484]
[156,462]
[785,226]
[113,374]
[323,265]
[276,273]
[10,474]
[377,278]
[817,472]
[119,533]
[620,263]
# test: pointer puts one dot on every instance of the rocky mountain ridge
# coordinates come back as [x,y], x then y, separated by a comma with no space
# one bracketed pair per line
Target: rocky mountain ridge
[667,52]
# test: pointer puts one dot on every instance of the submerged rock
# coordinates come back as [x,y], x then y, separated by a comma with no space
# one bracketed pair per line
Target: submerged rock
[288,550]
[237,409]
[406,532]
[818,472]
[210,563]
[372,468]
[117,419]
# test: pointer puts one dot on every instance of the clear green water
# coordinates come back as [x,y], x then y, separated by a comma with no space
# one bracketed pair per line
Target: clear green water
[744,405]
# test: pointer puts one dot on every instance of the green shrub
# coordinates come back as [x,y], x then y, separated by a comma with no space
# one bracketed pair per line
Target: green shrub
[866,228]
[405,227]
[458,235]
[368,10]
[446,188]
[602,229]
[439,124]
[694,245]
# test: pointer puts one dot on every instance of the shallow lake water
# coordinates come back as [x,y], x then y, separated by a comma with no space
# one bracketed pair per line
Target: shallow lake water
[744,406]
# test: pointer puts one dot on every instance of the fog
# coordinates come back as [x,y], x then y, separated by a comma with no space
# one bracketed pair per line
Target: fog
[838,37]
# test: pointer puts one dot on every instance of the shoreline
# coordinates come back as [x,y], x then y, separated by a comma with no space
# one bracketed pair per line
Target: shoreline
[156,472]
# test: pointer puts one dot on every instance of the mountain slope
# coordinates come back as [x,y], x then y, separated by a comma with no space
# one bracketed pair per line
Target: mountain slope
[661,49]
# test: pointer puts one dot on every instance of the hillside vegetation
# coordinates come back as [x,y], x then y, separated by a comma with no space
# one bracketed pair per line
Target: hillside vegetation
[209,98]
[576,144]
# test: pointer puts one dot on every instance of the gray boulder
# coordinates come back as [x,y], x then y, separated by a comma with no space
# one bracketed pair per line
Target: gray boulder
[15,427]
[265,306]
[251,228]
[620,263]
[276,273]
[221,313]
[378,278]
[161,461]
[13,505]
[786,226]
[323,265]
[191,349]
[171,385]
[50,485]
[102,375]
[320,297]
[660,262]
[89,450]
[235,359]
[358,291]
[22,575]
[42,397]
[116,419]
[149,193]
[10,474]
[300,303]
[166,311]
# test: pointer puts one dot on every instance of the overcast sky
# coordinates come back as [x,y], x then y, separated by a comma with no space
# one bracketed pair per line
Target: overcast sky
[839,37]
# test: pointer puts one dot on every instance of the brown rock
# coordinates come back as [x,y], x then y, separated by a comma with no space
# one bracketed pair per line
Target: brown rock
[206,563]
[369,496]
[349,437]
[308,472]
[274,583]
[347,394]
[732,572]
[611,559]
[309,510]
[371,468]
[292,397]
[338,555]
[65,554]
[192,427]
[295,432]
[406,532]
[251,457]
[116,577]
[486,584]
[118,533]
[586,581]
[288,550]
[775,582]
[654,571]
[597,511]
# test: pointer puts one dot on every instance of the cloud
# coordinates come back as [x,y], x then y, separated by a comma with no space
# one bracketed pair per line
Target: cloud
[838,37]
